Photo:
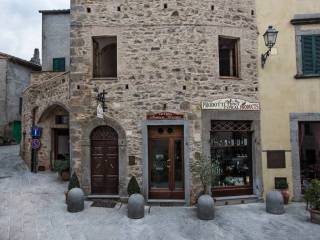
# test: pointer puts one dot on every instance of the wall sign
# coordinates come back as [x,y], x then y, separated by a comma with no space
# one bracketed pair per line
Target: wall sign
[35,144]
[36,132]
[165,116]
[230,104]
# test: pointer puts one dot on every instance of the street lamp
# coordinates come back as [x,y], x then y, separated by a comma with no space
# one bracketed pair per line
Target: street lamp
[270,38]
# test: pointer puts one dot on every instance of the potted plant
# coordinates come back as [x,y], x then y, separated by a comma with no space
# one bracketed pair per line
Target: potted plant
[204,169]
[133,187]
[62,167]
[282,186]
[312,196]
[73,183]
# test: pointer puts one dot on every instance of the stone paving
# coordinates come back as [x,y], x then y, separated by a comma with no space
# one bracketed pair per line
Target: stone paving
[32,207]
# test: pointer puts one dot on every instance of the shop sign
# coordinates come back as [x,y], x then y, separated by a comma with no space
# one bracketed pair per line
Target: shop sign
[230,104]
[35,144]
[165,116]
[99,111]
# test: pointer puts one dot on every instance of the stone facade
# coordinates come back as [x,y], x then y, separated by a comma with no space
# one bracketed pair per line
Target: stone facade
[168,60]
[41,103]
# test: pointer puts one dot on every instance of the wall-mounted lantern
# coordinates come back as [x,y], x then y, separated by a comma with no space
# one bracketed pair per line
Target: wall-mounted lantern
[270,39]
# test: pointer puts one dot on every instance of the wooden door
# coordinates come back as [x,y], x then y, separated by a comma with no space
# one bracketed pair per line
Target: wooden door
[166,162]
[104,161]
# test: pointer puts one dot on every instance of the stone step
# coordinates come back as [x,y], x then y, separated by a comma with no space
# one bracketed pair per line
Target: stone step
[234,200]
[166,203]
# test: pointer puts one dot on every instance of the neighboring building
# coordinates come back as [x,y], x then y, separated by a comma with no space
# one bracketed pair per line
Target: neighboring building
[290,94]
[55,40]
[177,81]
[46,99]
[14,78]
[168,71]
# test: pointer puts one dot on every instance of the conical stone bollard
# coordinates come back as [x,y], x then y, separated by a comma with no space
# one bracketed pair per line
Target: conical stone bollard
[205,207]
[75,200]
[274,203]
[136,206]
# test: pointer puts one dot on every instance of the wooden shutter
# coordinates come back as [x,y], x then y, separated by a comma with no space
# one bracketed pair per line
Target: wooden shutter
[310,46]
[59,64]
[307,55]
[317,53]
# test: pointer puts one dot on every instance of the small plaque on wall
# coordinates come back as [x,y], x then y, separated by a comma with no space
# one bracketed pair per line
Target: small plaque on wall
[132,160]
[276,159]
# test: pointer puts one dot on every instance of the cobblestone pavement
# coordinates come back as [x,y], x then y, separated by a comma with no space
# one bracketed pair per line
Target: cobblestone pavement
[32,207]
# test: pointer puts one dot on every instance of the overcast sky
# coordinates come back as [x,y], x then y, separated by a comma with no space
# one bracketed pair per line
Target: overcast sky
[20,25]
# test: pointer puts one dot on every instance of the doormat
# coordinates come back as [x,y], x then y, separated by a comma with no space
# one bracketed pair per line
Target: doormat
[104,203]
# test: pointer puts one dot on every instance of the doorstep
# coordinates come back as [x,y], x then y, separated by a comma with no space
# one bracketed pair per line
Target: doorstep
[233,200]
[115,197]
[166,202]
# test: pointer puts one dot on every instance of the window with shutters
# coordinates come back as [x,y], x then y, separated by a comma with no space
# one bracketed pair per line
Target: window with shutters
[59,64]
[310,55]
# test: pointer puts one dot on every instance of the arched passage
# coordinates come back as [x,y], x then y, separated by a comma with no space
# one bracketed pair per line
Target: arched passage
[55,143]
[104,161]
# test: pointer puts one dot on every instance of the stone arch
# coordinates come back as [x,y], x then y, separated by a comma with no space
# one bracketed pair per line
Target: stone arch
[55,134]
[47,108]
[86,152]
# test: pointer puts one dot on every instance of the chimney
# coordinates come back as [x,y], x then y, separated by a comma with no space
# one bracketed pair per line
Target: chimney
[36,57]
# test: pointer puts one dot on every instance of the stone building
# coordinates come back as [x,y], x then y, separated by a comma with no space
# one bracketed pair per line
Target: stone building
[179,80]
[46,100]
[14,77]
[153,86]
[290,94]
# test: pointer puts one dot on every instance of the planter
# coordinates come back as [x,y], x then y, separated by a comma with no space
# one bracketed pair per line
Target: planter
[65,175]
[286,195]
[315,216]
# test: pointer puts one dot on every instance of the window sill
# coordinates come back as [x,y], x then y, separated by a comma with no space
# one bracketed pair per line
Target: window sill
[230,78]
[298,76]
[105,79]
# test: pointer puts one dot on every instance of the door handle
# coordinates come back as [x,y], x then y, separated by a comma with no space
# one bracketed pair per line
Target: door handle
[168,163]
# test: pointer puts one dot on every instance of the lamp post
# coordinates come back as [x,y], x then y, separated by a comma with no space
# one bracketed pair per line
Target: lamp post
[270,39]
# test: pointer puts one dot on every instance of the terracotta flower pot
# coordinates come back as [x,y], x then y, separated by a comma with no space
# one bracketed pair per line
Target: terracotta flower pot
[286,195]
[315,216]
[65,176]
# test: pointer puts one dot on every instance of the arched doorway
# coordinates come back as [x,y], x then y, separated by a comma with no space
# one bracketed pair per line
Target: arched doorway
[104,161]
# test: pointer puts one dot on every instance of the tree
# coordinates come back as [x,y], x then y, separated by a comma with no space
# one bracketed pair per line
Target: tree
[74,182]
[133,187]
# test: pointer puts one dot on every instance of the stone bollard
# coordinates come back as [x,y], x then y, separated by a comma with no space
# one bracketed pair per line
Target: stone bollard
[274,203]
[136,206]
[205,207]
[75,200]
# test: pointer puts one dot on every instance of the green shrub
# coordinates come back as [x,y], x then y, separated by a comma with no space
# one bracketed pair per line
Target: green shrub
[281,184]
[61,166]
[312,194]
[74,182]
[133,187]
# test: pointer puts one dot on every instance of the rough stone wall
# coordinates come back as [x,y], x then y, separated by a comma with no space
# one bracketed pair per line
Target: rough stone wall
[38,77]
[161,52]
[42,98]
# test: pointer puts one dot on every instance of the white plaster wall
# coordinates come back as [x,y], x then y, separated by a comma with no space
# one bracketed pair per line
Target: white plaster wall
[55,39]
